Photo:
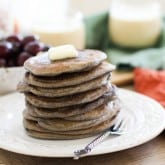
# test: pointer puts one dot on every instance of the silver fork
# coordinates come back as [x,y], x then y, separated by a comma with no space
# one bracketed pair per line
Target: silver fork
[116,129]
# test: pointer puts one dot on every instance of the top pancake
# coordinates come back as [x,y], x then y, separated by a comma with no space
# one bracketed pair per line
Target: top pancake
[41,65]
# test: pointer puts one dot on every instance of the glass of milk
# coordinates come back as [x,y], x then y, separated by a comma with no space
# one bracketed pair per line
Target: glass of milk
[66,29]
[57,24]
[135,23]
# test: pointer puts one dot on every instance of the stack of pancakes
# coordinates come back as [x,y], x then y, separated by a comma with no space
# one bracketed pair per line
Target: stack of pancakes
[70,98]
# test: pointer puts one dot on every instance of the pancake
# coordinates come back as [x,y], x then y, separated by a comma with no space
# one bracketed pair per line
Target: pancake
[98,112]
[66,125]
[69,79]
[41,65]
[27,116]
[89,115]
[85,97]
[33,125]
[36,132]
[69,111]
[64,91]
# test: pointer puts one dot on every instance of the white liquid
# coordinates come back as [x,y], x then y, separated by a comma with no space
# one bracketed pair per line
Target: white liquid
[59,33]
[135,25]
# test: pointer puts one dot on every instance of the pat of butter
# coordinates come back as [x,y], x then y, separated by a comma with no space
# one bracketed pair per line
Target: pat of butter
[62,52]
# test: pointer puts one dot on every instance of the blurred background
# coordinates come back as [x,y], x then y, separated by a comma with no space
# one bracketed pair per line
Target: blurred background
[25,10]
[89,7]
[131,32]
[98,5]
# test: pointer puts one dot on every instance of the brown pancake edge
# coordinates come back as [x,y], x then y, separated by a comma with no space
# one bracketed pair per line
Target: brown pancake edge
[64,91]
[68,125]
[33,125]
[41,65]
[84,116]
[81,98]
[68,79]
[71,110]
[42,134]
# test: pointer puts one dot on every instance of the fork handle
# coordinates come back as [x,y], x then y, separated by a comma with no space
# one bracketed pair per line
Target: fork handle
[88,148]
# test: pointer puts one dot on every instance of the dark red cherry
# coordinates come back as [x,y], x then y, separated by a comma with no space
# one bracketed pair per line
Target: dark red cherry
[22,58]
[34,47]
[5,49]
[11,62]
[14,39]
[2,62]
[29,38]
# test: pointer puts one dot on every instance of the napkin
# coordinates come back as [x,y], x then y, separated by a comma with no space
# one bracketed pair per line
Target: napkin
[150,83]
[97,37]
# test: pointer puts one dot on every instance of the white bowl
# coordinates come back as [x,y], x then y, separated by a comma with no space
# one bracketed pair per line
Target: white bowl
[9,78]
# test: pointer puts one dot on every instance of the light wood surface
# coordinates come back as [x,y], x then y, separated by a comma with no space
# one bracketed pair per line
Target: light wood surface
[122,77]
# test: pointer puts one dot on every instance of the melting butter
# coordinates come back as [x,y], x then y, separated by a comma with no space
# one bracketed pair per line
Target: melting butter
[62,52]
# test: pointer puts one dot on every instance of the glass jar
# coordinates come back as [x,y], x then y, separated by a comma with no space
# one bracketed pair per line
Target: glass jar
[135,23]
[67,28]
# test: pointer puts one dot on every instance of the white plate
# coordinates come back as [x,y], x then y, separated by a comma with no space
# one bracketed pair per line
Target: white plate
[145,120]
